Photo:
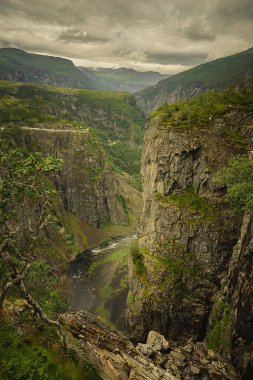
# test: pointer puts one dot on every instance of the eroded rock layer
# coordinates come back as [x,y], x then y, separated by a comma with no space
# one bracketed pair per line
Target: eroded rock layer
[118,359]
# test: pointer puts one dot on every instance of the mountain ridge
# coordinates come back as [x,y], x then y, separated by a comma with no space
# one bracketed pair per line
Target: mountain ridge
[122,78]
[218,74]
[21,66]
[18,65]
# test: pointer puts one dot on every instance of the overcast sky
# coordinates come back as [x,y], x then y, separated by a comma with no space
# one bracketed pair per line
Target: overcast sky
[164,35]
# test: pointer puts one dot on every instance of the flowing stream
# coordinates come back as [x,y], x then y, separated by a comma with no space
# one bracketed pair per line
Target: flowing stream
[97,281]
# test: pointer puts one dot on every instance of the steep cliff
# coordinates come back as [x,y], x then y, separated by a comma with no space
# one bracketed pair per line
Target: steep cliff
[187,230]
[230,324]
[86,183]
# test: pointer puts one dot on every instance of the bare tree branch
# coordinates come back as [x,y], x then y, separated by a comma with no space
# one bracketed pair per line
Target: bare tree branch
[18,280]
[4,244]
[36,307]
[14,282]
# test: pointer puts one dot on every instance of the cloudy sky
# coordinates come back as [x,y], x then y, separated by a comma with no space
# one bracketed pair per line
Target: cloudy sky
[164,35]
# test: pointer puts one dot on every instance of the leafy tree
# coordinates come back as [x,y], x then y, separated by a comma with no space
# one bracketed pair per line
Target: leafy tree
[27,207]
[238,178]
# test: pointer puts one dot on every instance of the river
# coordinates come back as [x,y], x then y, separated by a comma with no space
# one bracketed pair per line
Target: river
[97,281]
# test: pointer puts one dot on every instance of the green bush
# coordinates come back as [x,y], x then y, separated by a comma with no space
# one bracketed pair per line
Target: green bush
[22,358]
[238,179]
[26,362]
[189,200]
[203,108]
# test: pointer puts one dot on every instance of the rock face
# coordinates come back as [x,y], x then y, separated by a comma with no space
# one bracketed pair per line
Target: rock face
[118,359]
[188,233]
[86,184]
[240,284]
[231,322]
[161,94]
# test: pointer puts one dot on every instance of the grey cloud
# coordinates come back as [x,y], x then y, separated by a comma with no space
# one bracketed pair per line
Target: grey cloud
[234,10]
[4,43]
[66,12]
[197,32]
[174,34]
[77,36]
[172,58]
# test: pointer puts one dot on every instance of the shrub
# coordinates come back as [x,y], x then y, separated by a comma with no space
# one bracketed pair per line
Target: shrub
[201,109]
[238,179]
[24,358]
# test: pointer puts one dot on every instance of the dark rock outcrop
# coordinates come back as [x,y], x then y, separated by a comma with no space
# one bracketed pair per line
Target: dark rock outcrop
[118,359]
[231,322]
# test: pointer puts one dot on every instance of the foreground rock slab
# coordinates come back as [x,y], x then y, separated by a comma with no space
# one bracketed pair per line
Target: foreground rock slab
[117,358]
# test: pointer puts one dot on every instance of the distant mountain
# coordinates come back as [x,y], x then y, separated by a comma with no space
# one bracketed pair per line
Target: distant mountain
[18,65]
[216,74]
[123,79]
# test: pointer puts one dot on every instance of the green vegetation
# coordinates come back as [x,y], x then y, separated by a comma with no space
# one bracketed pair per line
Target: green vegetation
[123,201]
[172,257]
[238,179]
[131,297]
[127,79]
[190,201]
[137,258]
[202,109]
[25,110]
[79,241]
[25,187]
[112,230]
[22,357]
[114,118]
[43,285]
[124,157]
[23,178]
[31,263]
[20,65]
[218,74]
[177,266]
[118,256]
[218,338]
[171,266]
